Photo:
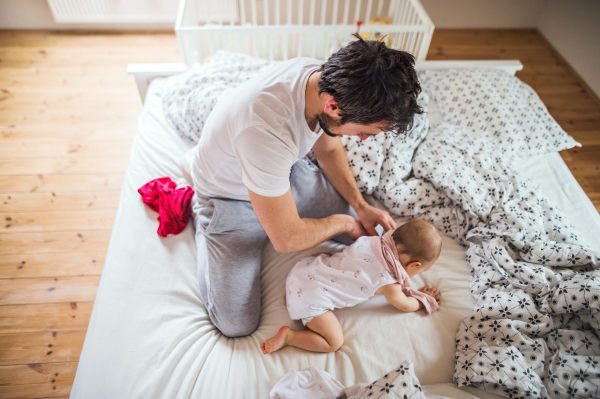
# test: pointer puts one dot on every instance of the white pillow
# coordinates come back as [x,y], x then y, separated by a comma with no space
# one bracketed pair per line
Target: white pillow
[498,106]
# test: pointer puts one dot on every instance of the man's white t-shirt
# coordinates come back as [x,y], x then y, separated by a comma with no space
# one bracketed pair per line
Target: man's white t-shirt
[255,134]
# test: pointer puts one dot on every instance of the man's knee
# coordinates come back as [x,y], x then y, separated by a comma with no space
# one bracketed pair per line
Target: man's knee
[235,327]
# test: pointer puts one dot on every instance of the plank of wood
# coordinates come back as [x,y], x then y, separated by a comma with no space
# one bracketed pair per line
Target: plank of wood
[486,36]
[54,242]
[586,138]
[37,380]
[571,112]
[89,132]
[26,222]
[534,79]
[68,83]
[46,166]
[59,183]
[15,70]
[81,118]
[89,263]
[48,290]
[59,201]
[38,94]
[112,39]
[16,106]
[568,100]
[41,347]
[66,149]
[45,317]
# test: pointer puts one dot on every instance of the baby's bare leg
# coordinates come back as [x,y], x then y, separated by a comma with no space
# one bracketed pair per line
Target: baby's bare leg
[324,335]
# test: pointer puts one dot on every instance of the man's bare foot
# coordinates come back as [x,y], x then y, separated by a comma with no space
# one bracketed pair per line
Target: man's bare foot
[432,292]
[277,342]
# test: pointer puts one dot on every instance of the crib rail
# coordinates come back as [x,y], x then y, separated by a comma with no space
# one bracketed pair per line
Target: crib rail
[283,29]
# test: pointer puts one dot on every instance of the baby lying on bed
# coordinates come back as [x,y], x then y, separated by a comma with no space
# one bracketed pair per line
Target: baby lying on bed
[372,265]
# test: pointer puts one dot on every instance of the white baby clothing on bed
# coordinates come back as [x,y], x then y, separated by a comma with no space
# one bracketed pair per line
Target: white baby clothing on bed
[318,284]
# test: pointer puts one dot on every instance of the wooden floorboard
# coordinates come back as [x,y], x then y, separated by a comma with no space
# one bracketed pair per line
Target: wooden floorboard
[68,113]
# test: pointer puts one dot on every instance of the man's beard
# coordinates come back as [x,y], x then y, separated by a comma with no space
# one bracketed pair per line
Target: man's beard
[326,122]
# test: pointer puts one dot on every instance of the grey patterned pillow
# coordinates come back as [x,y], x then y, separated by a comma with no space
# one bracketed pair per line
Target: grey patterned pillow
[498,106]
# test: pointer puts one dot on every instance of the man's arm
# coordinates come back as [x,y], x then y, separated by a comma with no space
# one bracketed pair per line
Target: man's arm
[333,162]
[289,233]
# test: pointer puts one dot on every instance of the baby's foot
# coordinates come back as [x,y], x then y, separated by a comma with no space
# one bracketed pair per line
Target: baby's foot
[432,292]
[277,342]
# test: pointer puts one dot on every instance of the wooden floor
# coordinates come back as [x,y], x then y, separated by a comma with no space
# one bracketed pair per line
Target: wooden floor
[68,113]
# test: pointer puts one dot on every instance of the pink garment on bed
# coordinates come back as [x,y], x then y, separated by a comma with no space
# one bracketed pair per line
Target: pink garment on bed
[385,249]
[172,204]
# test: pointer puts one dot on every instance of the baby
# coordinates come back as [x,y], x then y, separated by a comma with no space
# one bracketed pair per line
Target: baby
[372,265]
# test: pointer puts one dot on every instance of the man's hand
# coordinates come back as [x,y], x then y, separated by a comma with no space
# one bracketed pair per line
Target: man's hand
[370,217]
[333,162]
[354,229]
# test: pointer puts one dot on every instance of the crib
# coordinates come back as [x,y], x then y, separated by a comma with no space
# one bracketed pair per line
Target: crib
[284,29]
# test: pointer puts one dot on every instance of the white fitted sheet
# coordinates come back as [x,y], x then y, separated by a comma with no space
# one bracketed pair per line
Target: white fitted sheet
[149,334]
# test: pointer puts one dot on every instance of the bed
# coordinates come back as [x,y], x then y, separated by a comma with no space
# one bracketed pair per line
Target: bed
[149,335]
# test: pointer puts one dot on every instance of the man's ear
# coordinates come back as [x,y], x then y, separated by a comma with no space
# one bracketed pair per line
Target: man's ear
[331,106]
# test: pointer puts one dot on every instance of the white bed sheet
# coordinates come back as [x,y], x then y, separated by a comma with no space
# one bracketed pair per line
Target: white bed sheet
[149,335]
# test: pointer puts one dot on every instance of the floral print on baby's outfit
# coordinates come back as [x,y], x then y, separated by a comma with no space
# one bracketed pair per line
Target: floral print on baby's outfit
[318,284]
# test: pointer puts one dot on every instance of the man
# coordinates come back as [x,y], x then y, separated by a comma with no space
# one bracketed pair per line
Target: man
[252,180]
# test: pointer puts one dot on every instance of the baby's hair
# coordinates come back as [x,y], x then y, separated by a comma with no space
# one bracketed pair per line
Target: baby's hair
[419,239]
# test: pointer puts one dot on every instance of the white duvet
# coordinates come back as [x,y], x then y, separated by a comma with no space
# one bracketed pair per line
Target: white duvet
[150,336]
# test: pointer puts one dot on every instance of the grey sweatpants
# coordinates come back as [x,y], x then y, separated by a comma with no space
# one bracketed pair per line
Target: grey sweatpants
[229,243]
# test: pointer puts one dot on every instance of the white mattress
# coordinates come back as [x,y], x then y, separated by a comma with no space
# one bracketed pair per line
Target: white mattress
[149,334]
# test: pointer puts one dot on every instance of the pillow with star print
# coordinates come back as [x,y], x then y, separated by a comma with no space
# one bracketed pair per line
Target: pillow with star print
[498,106]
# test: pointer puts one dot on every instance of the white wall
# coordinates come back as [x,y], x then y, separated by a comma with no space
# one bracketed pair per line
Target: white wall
[484,13]
[573,28]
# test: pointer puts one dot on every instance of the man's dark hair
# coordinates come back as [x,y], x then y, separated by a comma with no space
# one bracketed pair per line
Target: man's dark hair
[372,83]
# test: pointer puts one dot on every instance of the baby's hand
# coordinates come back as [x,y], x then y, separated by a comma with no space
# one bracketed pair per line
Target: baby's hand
[432,292]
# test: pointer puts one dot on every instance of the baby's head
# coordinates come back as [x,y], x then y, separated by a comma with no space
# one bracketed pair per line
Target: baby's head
[419,245]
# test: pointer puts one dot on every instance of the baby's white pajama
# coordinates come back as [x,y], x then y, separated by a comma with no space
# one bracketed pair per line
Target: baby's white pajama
[318,284]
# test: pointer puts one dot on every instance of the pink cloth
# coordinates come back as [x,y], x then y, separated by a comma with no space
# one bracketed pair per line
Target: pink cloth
[385,249]
[173,205]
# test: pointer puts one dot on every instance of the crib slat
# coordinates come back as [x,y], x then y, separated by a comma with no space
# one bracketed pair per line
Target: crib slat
[334,20]
[243,12]
[207,11]
[380,9]
[357,11]
[219,13]
[266,12]
[346,12]
[369,6]
[393,9]
[254,17]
